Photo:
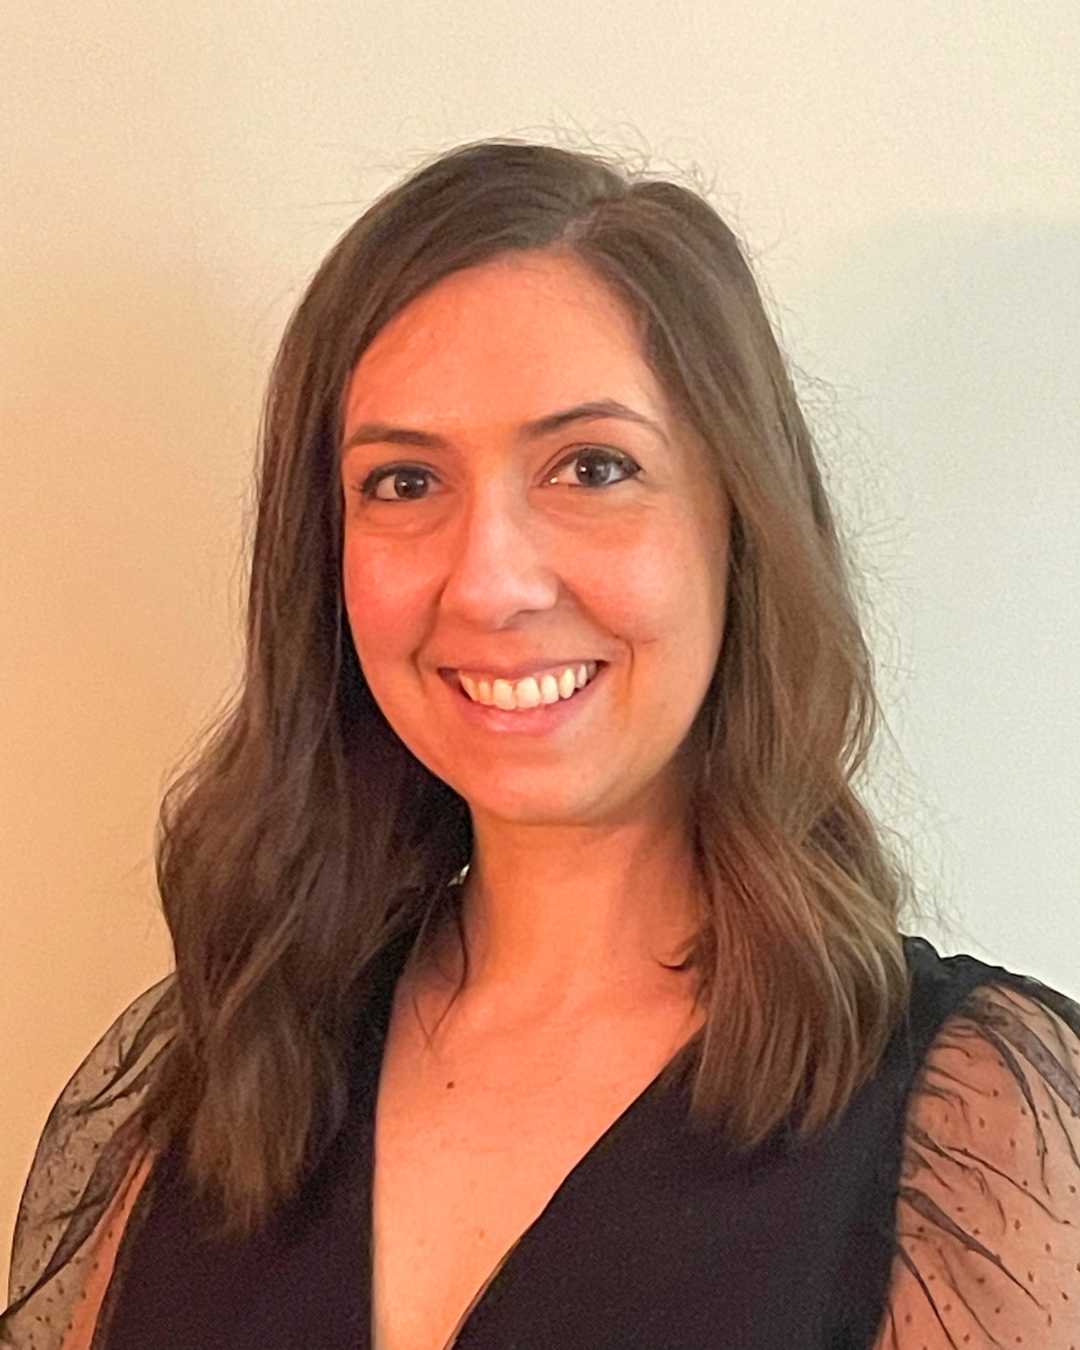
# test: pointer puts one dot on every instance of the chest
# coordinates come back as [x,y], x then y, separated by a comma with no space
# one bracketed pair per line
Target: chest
[471,1147]
[663,1236]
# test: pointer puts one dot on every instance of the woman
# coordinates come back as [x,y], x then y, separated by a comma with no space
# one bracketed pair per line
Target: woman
[538,979]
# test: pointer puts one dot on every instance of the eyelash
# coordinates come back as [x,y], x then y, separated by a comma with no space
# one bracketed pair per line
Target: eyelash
[367,488]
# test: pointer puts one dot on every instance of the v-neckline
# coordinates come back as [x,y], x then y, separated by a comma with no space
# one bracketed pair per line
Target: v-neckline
[379,1021]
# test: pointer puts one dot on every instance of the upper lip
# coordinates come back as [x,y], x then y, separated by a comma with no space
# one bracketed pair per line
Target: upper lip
[512,673]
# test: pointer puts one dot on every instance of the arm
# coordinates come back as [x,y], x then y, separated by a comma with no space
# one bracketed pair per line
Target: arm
[988,1213]
[101,1250]
[88,1159]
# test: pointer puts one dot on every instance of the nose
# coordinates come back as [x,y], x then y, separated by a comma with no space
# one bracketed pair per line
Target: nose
[501,559]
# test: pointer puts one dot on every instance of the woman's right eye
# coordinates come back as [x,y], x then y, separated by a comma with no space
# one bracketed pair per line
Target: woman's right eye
[402,479]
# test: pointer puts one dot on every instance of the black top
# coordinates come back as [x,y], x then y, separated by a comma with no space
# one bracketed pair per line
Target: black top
[666,1239]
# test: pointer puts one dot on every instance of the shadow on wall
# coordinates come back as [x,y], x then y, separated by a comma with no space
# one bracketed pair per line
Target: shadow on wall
[951,426]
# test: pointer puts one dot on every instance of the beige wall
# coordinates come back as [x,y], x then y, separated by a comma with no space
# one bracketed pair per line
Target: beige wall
[907,177]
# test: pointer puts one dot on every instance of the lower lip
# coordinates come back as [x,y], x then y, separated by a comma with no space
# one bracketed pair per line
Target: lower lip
[545,717]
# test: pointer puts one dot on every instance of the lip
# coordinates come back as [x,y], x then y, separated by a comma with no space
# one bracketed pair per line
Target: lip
[538,721]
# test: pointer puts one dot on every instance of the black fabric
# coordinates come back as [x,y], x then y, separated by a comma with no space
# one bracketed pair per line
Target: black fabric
[660,1237]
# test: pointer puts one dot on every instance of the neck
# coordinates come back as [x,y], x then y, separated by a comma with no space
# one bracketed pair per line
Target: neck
[562,919]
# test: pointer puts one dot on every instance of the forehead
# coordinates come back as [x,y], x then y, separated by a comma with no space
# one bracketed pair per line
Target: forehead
[512,338]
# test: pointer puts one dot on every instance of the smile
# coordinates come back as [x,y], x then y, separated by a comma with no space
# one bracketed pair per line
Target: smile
[549,686]
[518,719]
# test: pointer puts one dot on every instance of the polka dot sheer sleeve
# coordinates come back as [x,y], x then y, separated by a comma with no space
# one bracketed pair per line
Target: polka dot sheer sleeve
[987,1218]
[88,1151]
[988,1211]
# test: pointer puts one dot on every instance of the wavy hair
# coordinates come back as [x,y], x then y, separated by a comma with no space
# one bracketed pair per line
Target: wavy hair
[304,837]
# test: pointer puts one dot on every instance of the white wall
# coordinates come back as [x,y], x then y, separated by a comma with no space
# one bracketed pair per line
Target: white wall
[906,176]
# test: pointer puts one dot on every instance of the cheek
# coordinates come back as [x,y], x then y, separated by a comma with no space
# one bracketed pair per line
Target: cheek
[660,594]
[379,599]
[679,626]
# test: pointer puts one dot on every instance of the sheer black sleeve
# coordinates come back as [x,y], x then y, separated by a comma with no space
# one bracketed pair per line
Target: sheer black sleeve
[988,1213]
[89,1145]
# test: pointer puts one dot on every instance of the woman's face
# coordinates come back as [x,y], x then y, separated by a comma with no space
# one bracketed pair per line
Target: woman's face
[521,500]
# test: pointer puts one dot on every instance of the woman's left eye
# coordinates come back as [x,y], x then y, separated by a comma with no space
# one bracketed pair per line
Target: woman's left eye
[606,459]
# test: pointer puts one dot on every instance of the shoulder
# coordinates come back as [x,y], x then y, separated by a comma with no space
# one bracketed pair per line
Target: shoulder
[86,1150]
[988,1207]
[123,1045]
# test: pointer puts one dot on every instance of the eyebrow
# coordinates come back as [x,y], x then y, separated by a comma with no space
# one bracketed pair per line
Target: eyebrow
[371,433]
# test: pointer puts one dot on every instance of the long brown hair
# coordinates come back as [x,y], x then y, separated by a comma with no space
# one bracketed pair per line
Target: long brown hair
[305,837]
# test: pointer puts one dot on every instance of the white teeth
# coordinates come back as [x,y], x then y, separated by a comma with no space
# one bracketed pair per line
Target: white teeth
[529,692]
[525,694]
